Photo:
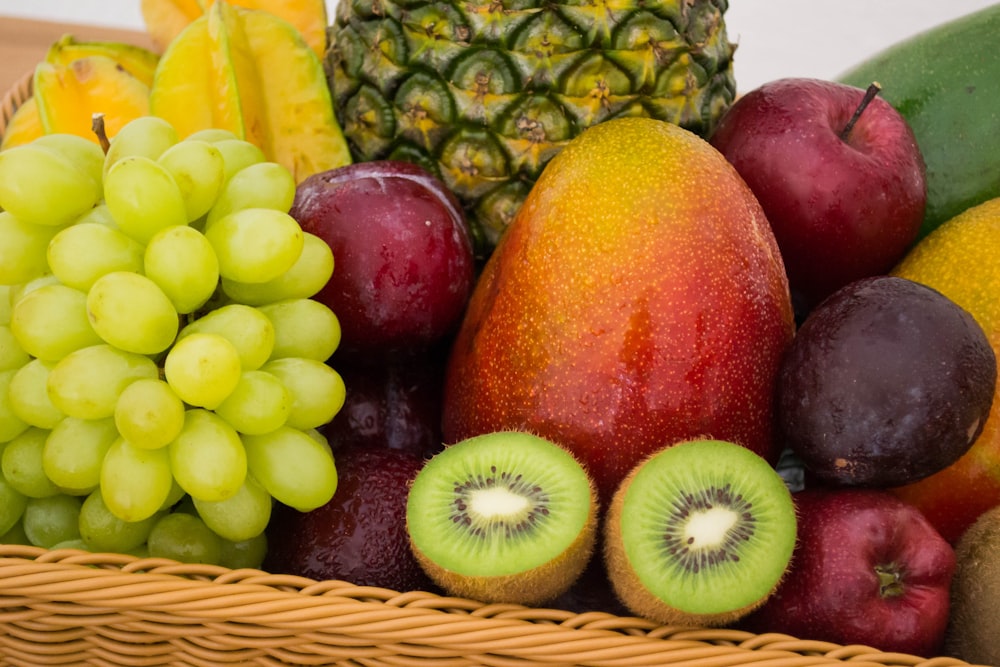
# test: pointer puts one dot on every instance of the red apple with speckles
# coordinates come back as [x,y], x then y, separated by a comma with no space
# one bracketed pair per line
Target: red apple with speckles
[867,569]
[638,298]
[845,198]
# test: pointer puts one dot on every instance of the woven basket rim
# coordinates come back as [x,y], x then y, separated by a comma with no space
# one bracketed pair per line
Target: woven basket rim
[295,620]
[14,97]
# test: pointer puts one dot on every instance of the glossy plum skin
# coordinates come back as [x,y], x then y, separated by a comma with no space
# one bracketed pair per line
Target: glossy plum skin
[403,256]
[887,382]
[395,404]
[867,569]
[840,210]
[360,534]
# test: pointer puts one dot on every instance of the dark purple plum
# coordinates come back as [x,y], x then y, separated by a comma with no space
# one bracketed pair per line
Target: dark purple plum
[396,404]
[886,382]
[403,258]
[360,534]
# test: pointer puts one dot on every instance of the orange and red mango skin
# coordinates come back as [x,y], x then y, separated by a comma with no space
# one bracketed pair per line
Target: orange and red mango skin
[637,299]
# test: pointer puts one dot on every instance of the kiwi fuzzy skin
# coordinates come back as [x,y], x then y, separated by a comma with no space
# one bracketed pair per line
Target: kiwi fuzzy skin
[629,588]
[974,622]
[531,587]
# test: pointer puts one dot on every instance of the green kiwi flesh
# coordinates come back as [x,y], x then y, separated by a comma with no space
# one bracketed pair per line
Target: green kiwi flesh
[503,517]
[974,619]
[699,533]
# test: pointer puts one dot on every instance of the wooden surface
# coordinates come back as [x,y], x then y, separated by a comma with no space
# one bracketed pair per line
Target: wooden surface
[24,42]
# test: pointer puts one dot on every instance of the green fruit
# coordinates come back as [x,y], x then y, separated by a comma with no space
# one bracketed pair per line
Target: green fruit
[502,517]
[974,622]
[700,533]
[484,93]
[943,82]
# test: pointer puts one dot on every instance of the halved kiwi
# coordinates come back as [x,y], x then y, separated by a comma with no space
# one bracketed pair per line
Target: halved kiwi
[503,517]
[699,533]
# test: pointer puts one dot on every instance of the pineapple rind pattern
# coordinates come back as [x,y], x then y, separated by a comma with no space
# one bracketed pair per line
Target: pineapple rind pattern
[484,93]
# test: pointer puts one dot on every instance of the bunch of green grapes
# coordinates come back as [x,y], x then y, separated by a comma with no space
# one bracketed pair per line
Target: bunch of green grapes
[163,365]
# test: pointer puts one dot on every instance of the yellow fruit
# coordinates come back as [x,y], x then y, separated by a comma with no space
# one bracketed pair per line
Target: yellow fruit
[165,19]
[69,95]
[24,126]
[251,73]
[959,259]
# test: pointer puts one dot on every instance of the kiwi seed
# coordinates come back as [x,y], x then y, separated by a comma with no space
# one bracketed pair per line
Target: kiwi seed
[503,517]
[699,533]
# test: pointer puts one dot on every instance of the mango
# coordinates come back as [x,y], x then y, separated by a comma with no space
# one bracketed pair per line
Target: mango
[165,19]
[251,73]
[637,299]
[68,95]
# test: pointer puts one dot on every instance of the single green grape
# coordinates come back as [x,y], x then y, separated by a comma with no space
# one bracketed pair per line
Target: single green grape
[131,312]
[52,321]
[242,516]
[29,175]
[211,135]
[22,249]
[292,467]
[245,553]
[248,329]
[22,467]
[237,154]
[135,482]
[185,538]
[12,355]
[145,136]
[259,185]
[80,254]
[307,276]
[207,457]
[84,153]
[182,262]
[203,369]
[303,328]
[102,531]
[255,244]
[12,504]
[51,520]
[29,395]
[143,197]
[259,403]
[149,414]
[11,425]
[87,383]
[199,170]
[74,452]
[318,391]
[15,535]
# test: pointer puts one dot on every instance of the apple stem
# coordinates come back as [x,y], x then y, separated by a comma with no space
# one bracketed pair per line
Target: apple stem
[870,94]
[889,584]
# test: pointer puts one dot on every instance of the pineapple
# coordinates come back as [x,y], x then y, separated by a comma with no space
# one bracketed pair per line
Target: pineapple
[484,92]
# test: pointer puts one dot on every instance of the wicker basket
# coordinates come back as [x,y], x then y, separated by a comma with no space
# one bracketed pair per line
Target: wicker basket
[69,607]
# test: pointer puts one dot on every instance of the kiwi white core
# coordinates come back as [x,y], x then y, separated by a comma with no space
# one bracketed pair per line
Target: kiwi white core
[709,528]
[497,503]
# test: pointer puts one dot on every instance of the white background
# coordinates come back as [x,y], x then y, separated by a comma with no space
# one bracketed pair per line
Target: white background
[777,38]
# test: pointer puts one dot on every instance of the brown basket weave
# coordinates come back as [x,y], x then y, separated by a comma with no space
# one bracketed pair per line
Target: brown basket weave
[69,607]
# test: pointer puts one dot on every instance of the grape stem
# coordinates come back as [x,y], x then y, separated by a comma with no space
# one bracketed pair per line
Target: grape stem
[97,127]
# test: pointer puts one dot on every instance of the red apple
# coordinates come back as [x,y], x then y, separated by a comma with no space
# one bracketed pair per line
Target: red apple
[844,202]
[868,569]
[403,256]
